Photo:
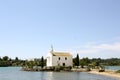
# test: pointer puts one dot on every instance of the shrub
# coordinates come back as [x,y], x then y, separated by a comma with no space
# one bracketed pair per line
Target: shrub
[118,71]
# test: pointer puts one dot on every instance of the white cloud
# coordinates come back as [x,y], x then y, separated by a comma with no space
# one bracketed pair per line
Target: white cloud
[87,51]
[113,47]
[95,48]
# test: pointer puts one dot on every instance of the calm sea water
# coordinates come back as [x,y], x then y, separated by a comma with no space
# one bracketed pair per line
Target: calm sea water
[14,73]
[112,68]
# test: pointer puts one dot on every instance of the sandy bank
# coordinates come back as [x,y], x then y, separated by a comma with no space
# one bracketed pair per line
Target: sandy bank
[107,73]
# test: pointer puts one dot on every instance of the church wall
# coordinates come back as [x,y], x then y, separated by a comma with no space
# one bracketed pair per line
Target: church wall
[49,59]
[62,61]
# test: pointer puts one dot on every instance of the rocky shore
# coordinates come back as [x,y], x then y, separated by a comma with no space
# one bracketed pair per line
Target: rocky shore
[56,68]
[70,69]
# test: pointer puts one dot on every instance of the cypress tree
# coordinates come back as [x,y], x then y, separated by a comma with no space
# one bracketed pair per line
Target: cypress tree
[42,62]
[77,60]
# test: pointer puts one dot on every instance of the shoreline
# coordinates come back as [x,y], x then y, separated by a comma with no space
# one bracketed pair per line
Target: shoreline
[106,73]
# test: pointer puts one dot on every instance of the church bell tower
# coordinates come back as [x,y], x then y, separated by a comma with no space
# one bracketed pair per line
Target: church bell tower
[51,50]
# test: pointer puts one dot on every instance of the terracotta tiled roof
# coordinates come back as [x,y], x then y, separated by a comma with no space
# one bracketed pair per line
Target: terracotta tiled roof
[61,54]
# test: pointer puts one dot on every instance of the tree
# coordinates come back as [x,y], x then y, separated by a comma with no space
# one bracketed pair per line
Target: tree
[95,64]
[76,60]
[42,62]
[84,62]
[16,59]
[5,58]
[0,58]
[30,64]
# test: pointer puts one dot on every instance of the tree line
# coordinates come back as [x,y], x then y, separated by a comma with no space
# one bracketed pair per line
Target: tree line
[7,61]
[95,62]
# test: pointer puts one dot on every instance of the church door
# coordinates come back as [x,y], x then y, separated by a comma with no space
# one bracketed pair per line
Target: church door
[63,64]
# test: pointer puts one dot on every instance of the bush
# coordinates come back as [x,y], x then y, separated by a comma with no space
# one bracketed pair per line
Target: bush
[102,70]
[118,71]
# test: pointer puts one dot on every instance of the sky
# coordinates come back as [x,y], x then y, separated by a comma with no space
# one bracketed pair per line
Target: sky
[90,28]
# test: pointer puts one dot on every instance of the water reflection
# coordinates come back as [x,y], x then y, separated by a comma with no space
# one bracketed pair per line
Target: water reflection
[49,76]
[16,74]
[59,76]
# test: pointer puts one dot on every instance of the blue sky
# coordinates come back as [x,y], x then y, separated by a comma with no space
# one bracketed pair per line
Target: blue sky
[88,27]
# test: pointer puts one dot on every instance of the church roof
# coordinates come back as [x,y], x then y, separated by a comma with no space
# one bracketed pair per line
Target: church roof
[61,54]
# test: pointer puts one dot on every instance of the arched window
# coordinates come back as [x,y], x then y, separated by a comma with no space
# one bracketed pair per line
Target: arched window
[65,58]
[59,58]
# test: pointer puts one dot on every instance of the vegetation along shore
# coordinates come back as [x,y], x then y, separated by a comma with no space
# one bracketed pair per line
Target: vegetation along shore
[94,66]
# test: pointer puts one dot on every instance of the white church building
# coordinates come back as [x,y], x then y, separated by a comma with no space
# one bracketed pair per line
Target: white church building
[59,58]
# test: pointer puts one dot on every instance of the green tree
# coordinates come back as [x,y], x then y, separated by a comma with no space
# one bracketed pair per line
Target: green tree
[5,58]
[30,64]
[76,60]
[16,59]
[84,62]
[42,62]
[0,58]
[95,64]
